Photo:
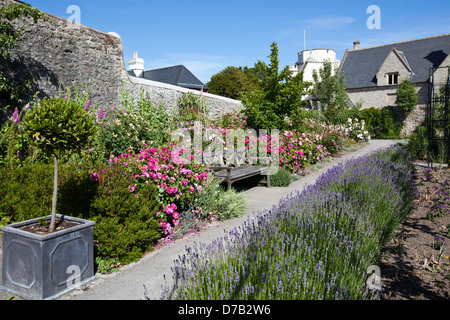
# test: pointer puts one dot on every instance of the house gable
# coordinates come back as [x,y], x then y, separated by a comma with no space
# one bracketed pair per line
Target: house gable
[394,68]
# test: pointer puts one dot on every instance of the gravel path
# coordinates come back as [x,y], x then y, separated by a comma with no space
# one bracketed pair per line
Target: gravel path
[128,283]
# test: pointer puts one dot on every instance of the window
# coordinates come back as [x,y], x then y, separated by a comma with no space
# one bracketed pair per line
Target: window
[392,78]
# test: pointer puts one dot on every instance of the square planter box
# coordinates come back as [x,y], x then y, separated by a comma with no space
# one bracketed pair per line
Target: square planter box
[37,267]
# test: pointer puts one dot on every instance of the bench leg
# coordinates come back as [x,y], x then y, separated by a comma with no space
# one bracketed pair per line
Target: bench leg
[268,181]
[229,179]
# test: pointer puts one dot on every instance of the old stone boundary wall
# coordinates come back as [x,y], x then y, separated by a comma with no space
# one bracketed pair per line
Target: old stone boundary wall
[60,53]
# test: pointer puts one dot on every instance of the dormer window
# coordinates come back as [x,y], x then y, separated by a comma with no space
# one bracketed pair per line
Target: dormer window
[392,79]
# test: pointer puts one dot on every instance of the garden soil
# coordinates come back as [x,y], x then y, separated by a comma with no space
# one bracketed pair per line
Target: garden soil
[146,277]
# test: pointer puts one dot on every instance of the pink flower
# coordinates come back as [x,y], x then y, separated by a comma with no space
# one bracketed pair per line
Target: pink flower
[172,190]
[176,215]
[166,227]
[175,222]
[184,182]
[191,190]
[169,210]
[88,104]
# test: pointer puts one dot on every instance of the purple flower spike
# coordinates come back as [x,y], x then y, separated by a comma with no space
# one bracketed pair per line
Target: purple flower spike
[88,104]
[101,114]
[16,116]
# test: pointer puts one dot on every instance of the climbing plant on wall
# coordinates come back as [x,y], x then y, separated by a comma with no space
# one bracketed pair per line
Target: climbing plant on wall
[11,92]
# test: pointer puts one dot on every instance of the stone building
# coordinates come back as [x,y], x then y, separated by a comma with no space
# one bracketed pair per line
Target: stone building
[373,74]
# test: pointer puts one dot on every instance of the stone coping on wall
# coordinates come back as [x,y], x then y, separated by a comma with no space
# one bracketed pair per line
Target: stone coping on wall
[146,82]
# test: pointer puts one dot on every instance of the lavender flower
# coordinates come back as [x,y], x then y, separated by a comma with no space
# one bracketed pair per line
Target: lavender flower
[316,244]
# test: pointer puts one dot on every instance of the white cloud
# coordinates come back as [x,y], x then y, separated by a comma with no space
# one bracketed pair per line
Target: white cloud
[329,22]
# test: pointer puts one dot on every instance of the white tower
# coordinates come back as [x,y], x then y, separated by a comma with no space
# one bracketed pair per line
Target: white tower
[310,60]
[136,64]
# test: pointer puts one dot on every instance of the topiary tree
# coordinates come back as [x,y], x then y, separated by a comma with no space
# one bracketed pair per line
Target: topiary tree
[56,126]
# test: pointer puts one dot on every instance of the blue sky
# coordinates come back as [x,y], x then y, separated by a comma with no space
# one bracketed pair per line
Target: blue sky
[208,36]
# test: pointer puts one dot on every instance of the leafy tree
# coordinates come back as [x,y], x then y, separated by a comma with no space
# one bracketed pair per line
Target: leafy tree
[407,98]
[55,126]
[10,92]
[233,82]
[329,90]
[280,97]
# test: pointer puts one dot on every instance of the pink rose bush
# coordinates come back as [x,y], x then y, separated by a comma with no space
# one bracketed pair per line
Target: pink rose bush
[178,183]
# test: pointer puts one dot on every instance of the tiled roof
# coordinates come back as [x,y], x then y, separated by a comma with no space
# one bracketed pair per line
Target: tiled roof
[360,66]
[176,75]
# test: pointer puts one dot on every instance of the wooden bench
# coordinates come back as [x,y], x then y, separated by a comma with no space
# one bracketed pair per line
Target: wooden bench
[235,164]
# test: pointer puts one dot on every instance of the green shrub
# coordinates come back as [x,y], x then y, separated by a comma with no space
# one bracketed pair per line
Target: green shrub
[131,126]
[418,144]
[214,200]
[386,123]
[281,179]
[26,192]
[190,108]
[126,223]
[231,205]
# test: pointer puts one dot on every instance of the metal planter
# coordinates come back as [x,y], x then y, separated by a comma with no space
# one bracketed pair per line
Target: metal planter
[37,267]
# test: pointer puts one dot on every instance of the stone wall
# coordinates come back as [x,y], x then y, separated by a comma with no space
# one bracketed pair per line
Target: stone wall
[383,96]
[59,53]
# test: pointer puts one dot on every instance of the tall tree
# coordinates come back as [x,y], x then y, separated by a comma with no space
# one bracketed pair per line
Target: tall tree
[233,82]
[279,98]
[329,90]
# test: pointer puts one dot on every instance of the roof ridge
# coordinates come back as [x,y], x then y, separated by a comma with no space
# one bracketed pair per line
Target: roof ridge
[401,42]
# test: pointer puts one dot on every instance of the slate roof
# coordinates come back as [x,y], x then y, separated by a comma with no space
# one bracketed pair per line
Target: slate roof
[176,75]
[361,66]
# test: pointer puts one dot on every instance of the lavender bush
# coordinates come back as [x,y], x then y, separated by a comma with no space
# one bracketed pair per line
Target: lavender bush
[317,244]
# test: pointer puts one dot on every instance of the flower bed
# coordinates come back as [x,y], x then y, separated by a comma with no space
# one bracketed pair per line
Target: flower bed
[178,184]
[316,245]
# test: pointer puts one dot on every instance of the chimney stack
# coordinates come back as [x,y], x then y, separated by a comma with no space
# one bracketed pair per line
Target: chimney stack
[356,45]
[136,64]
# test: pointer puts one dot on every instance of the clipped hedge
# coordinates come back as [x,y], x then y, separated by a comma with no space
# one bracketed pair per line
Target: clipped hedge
[126,225]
